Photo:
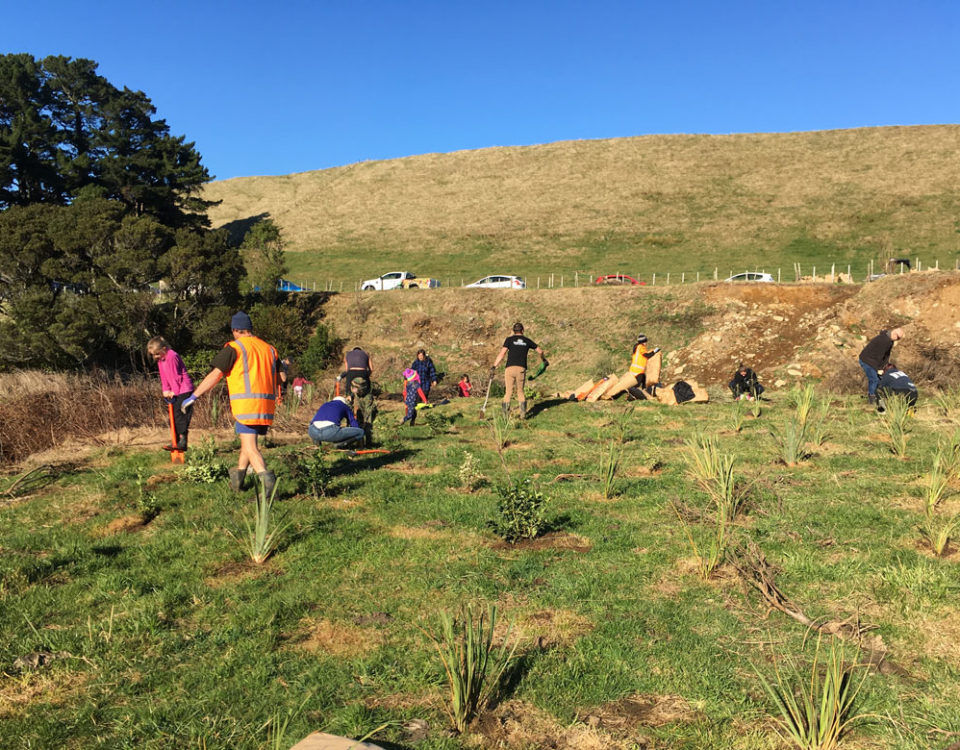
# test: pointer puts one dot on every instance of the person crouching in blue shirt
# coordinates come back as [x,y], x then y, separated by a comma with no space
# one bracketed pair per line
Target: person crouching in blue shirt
[325,425]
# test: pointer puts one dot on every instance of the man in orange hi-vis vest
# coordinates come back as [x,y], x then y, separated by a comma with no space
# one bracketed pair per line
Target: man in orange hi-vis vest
[251,367]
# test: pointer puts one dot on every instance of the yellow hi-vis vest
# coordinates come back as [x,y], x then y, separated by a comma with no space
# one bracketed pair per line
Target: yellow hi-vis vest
[639,364]
[252,381]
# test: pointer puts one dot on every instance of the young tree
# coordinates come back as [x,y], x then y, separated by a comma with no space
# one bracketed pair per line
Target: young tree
[266,260]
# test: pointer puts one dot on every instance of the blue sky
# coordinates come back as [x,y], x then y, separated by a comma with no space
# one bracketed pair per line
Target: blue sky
[310,85]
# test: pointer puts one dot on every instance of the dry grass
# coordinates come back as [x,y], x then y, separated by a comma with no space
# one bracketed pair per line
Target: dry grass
[613,205]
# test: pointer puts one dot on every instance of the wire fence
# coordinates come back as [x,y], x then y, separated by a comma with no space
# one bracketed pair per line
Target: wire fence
[833,273]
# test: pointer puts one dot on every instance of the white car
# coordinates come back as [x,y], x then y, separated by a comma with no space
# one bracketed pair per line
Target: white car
[752,276]
[499,282]
[392,280]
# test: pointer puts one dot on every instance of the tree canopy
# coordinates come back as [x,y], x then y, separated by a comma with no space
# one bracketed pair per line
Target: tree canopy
[65,131]
[104,241]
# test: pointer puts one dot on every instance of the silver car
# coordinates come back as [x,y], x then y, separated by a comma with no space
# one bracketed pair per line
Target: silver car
[499,282]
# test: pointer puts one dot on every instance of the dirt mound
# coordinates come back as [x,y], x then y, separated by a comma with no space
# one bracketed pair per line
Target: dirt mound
[787,333]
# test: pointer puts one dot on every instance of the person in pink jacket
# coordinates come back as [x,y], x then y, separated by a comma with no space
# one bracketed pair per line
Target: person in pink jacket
[176,385]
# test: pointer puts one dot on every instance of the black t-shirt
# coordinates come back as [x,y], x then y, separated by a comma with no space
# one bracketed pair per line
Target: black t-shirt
[518,347]
[225,359]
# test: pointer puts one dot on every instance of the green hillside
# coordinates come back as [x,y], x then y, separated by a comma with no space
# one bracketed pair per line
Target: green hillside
[651,204]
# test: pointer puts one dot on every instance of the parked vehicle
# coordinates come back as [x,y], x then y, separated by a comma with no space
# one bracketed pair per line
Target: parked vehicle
[752,276]
[499,282]
[619,278]
[398,280]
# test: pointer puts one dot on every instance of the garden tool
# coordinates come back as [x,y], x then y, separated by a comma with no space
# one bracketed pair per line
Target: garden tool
[176,456]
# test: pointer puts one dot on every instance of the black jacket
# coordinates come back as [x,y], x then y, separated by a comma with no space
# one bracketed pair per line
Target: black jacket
[877,351]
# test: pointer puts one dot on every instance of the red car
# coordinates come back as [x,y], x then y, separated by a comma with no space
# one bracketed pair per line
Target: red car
[619,278]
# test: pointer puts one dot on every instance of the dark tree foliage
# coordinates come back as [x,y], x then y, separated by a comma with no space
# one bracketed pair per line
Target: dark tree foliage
[103,238]
[75,290]
[64,130]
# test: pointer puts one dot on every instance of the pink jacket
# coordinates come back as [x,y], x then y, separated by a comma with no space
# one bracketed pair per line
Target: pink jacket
[173,374]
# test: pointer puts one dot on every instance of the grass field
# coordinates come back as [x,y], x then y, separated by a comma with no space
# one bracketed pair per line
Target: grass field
[162,633]
[652,204]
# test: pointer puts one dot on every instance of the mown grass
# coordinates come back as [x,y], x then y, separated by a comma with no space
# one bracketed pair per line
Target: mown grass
[168,637]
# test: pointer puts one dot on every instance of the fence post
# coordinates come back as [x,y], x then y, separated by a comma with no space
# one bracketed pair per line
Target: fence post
[668,278]
[814,273]
[654,280]
[833,269]
[715,274]
[538,282]
[682,276]
[778,275]
[698,277]
[561,281]
[576,278]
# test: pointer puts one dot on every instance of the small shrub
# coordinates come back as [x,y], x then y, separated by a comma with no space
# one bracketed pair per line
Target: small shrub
[473,665]
[323,350]
[815,706]
[469,474]
[147,504]
[310,473]
[203,466]
[521,510]
[437,424]
[499,426]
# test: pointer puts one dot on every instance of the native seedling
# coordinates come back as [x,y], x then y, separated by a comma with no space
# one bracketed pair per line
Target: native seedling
[264,534]
[803,399]
[896,418]
[521,512]
[792,441]
[471,478]
[499,426]
[473,664]
[711,553]
[815,706]
[714,473]
[203,466]
[147,504]
[611,452]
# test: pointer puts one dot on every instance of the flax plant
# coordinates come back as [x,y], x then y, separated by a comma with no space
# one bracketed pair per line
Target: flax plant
[610,456]
[474,666]
[714,473]
[264,534]
[896,418]
[737,415]
[792,441]
[803,400]
[708,556]
[499,425]
[817,705]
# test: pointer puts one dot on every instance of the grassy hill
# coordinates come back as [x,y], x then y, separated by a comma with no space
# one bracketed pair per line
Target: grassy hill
[671,203]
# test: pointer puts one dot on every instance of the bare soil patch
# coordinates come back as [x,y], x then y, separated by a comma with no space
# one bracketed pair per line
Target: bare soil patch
[629,714]
[338,639]
[240,570]
[517,724]
[550,540]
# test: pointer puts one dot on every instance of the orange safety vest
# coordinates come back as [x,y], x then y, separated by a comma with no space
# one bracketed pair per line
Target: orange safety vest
[639,364]
[252,381]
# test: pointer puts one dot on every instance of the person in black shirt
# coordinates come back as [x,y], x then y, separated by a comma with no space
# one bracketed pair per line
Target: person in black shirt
[875,356]
[745,383]
[515,349]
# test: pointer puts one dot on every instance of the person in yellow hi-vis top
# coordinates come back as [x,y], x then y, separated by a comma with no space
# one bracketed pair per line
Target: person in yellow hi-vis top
[251,367]
[638,364]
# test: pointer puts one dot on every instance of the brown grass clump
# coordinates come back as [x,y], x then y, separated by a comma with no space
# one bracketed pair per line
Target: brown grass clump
[337,639]
[53,686]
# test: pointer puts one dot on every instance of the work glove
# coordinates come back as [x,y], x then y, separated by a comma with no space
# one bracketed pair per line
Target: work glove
[187,403]
[544,360]
[493,371]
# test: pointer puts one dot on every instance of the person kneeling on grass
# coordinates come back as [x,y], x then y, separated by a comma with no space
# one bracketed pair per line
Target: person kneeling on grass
[325,425]
[895,382]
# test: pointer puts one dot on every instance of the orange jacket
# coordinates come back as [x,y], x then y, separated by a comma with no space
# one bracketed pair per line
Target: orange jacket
[638,365]
[252,381]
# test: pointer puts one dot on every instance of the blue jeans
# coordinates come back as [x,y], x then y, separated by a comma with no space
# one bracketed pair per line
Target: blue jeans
[334,434]
[873,380]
